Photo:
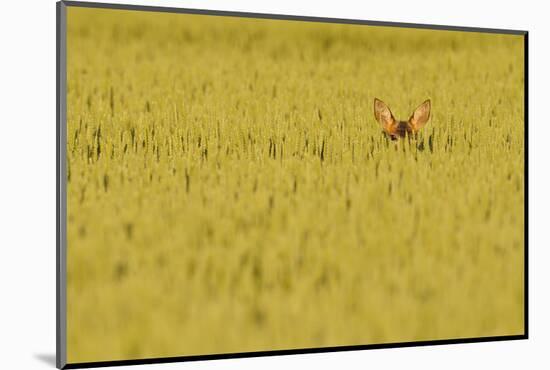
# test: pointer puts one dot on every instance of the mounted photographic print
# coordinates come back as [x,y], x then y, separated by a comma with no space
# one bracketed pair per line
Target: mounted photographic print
[235,184]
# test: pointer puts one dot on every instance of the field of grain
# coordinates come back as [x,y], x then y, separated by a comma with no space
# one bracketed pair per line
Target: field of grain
[229,189]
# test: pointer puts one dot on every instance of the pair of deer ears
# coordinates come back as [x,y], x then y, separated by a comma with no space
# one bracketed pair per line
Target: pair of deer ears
[418,119]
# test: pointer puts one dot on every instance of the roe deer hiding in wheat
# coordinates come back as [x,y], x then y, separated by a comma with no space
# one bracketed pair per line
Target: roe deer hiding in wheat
[398,129]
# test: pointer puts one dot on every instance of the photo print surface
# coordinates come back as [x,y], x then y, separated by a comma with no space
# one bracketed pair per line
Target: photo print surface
[240,185]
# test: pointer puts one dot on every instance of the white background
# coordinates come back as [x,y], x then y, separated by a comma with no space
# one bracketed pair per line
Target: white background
[27,182]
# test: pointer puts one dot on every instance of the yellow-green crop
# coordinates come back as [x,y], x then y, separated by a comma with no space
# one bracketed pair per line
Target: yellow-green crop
[229,189]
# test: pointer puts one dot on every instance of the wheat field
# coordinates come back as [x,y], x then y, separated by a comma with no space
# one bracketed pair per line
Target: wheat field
[229,189]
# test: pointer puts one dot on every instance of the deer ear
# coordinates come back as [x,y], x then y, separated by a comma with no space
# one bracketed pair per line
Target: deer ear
[421,115]
[383,114]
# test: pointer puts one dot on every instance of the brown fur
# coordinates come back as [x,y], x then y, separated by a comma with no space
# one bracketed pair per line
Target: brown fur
[399,129]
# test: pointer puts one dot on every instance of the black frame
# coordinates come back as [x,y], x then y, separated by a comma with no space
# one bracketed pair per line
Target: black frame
[61,237]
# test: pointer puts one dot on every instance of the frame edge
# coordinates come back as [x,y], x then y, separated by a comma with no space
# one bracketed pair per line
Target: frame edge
[526,184]
[229,13]
[61,193]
